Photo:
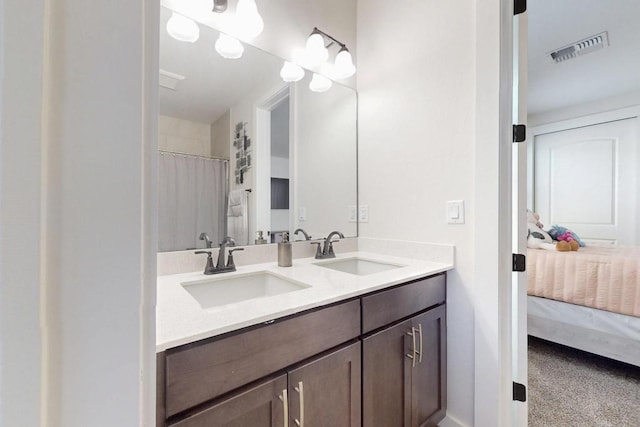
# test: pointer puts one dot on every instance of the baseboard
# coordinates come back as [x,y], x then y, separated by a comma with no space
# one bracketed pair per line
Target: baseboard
[450,422]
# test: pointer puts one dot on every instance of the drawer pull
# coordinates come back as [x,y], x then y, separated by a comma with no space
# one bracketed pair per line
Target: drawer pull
[420,333]
[285,404]
[300,390]
[412,356]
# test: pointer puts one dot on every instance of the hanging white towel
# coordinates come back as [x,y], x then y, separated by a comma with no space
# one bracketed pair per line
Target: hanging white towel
[237,217]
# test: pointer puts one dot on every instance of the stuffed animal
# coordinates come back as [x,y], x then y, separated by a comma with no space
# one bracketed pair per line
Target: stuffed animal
[562,233]
[537,238]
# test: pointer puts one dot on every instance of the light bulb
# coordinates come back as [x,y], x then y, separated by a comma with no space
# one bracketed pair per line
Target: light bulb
[320,83]
[248,20]
[315,51]
[343,66]
[229,47]
[291,72]
[182,28]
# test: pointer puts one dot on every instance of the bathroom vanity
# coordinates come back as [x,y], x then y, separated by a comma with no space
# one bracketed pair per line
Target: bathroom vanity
[369,351]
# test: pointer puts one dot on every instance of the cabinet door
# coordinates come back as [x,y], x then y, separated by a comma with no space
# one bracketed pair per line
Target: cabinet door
[387,377]
[326,391]
[428,382]
[260,406]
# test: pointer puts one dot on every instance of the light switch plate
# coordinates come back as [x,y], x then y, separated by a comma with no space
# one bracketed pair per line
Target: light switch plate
[353,213]
[455,212]
[363,213]
[302,213]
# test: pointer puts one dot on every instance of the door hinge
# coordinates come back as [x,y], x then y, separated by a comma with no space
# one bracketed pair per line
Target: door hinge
[519,133]
[519,263]
[519,392]
[519,6]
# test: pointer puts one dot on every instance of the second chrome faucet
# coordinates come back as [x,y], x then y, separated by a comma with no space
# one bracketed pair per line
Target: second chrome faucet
[325,249]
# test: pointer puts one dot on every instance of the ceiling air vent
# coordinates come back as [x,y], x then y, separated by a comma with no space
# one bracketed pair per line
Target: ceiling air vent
[169,80]
[582,47]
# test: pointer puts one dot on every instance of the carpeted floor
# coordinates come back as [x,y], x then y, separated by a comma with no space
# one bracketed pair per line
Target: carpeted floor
[568,388]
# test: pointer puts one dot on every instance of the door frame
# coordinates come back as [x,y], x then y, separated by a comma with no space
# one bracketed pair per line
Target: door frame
[492,213]
[261,184]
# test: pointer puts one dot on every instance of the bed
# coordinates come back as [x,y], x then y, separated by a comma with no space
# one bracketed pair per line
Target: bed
[588,299]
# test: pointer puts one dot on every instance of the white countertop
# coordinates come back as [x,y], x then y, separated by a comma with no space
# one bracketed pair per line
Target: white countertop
[180,319]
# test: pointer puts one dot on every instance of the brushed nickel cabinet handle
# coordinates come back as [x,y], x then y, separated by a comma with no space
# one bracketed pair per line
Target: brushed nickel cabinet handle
[300,390]
[420,333]
[412,356]
[285,404]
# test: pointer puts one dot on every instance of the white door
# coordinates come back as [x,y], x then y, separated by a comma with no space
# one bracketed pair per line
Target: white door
[586,180]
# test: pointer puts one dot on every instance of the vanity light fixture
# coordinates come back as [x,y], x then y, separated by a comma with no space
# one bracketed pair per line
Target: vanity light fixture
[248,20]
[219,6]
[343,66]
[182,28]
[229,47]
[320,83]
[316,52]
[291,72]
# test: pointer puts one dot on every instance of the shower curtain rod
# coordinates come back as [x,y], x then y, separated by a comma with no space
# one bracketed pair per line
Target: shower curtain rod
[193,155]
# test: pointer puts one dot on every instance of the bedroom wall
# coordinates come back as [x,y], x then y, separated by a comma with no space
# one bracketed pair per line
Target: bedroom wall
[607,104]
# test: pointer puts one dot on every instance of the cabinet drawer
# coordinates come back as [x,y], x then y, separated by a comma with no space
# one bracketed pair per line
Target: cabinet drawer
[202,371]
[386,307]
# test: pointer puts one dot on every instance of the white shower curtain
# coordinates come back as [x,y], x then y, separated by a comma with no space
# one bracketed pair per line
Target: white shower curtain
[192,194]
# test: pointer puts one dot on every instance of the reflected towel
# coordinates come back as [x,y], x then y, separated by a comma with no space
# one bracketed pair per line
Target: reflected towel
[237,203]
[238,217]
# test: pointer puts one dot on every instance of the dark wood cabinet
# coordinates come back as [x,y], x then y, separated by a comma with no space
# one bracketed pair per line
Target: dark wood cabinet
[260,406]
[428,376]
[404,372]
[326,391]
[386,375]
[374,361]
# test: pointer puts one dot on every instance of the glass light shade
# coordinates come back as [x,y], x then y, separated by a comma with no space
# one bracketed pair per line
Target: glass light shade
[343,66]
[315,51]
[248,20]
[182,28]
[320,83]
[291,72]
[229,47]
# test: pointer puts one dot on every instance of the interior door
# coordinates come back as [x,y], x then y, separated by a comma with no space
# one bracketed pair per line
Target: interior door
[586,180]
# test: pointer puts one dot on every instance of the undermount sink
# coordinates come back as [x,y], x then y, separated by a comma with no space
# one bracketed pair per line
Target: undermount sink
[217,291]
[358,266]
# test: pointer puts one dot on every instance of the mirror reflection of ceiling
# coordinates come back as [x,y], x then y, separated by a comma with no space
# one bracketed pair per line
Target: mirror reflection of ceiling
[612,71]
[212,84]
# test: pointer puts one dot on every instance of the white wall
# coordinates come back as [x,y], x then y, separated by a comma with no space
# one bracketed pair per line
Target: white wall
[416,112]
[78,275]
[429,88]
[20,210]
[221,137]
[184,136]
[325,158]
[608,104]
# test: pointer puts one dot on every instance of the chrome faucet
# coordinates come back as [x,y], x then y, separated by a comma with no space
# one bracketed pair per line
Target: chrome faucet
[207,241]
[227,241]
[220,266]
[327,247]
[300,230]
